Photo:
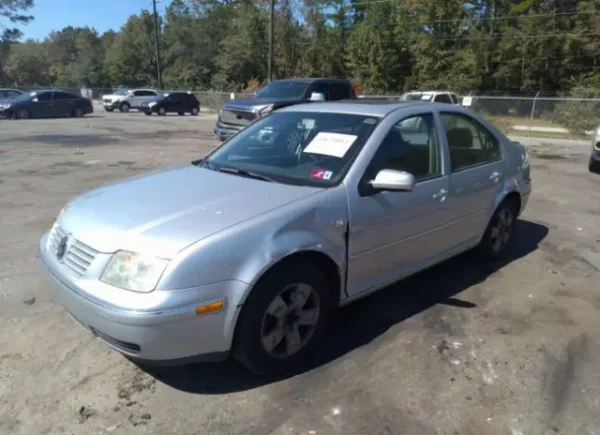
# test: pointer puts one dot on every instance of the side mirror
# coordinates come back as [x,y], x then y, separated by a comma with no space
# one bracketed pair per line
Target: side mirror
[390,179]
[35,100]
[316,97]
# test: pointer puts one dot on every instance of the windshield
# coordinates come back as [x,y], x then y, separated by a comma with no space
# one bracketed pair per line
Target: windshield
[283,89]
[296,147]
[121,92]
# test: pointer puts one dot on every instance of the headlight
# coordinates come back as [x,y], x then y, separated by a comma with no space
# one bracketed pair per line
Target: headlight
[4,106]
[152,104]
[525,159]
[265,110]
[132,271]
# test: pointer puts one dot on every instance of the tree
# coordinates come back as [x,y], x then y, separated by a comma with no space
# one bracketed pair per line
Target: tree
[27,64]
[11,11]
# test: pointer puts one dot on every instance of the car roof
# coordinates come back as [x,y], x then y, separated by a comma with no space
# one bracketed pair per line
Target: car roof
[10,89]
[379,108]
[313,79]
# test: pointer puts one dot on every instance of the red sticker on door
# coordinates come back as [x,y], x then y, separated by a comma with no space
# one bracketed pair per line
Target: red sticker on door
[321,174]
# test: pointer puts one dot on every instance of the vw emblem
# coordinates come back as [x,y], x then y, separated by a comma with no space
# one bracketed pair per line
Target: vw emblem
[62,248]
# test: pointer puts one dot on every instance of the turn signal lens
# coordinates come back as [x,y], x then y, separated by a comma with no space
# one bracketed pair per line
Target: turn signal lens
[210,307]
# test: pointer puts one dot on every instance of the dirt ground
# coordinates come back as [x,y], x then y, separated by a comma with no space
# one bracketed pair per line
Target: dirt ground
[465,348]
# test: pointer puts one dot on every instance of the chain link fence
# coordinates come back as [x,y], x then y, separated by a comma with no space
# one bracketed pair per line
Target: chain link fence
[539,113]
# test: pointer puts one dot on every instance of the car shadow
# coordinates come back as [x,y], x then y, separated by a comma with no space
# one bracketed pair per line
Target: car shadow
[362,322]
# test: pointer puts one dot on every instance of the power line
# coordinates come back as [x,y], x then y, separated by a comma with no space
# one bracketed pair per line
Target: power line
[461,20]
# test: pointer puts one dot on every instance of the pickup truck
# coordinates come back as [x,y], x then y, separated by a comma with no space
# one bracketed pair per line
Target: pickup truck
[238,114]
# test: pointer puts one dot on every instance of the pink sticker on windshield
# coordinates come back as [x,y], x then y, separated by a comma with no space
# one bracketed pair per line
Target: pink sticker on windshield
[321,174]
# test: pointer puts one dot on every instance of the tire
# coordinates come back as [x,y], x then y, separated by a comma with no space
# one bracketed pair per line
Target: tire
[109,109]
[162,111]
[22,114]
[124,107]
[194,111]
[273,337]
[148,113]
[594,166]
[181,113]
[78,112]
[499,234]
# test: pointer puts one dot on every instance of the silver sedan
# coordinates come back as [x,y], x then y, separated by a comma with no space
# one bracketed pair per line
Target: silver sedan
[249,250]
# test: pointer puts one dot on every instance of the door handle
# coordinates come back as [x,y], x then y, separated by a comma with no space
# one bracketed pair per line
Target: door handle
[495,175]
[441,194]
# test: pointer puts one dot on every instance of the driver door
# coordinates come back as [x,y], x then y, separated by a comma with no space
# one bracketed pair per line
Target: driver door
[395,233]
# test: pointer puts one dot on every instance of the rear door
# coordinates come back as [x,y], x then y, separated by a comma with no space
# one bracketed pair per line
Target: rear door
[63,103]
[477,171]
[176,103]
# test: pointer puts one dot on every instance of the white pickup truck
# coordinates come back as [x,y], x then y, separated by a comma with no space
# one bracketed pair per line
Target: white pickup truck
[432,97]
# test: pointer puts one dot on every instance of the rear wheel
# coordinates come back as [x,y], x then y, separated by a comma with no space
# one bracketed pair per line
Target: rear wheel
[181,113]
[148,113]
[162,111]
[109,109]
[78,112]
[283,319]
[124,107]
[498,236]
[22,114]
[194,111]
[594,166]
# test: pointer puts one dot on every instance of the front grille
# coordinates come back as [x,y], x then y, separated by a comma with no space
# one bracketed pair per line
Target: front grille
[237,116]
[77,257]
[106,100]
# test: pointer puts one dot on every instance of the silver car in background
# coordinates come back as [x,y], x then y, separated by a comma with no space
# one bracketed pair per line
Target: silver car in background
[249,250]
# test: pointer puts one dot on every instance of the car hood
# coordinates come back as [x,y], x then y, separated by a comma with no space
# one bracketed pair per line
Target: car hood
[112,96]
[163,212]
[253,102]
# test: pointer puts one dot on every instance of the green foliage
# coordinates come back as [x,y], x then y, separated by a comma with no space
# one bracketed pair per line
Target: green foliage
[385,46]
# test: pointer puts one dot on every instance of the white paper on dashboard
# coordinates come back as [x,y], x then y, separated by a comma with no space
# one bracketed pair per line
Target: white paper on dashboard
[330,144]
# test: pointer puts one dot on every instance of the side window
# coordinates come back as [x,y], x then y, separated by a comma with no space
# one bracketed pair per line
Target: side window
[338,91]
[442,98]
[3,94]
[469,142]
[46,96]
[149,94]
[454,98]
[63,96]
[321,88]
[412,146]
[13,94]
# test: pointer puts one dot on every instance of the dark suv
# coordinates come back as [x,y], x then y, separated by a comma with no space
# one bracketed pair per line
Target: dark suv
[237,114]
[176,102]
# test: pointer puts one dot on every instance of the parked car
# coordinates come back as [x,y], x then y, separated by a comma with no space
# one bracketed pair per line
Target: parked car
[125,99]
[250,249]
[6,97]
[47,104]
[171,102]
[594,165]
[238,114]
[432,97]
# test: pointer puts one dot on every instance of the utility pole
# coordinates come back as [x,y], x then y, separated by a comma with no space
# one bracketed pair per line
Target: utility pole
[270,67]
[158,74]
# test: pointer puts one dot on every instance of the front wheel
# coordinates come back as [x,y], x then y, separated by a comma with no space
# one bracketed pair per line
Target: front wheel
[109,109]
[283,319]
[22,114]
[499,234]
[162,111]
[124,107]
[148,113]
[181,113]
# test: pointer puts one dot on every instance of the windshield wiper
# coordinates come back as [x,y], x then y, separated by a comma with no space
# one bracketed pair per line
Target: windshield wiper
[204,162]
[245,173]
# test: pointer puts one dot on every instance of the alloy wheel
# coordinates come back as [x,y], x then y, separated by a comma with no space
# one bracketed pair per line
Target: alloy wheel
[290,320]
[502,229]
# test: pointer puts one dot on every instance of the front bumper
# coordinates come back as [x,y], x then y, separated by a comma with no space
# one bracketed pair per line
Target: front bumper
[225,131]
[110,104]
[170,335]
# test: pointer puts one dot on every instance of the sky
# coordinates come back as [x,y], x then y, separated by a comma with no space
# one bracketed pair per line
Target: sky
[102,15]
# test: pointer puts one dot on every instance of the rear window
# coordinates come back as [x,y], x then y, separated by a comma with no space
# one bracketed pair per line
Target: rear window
[339,91]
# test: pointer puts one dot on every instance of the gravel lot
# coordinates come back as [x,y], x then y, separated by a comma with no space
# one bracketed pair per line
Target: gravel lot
[465,348]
